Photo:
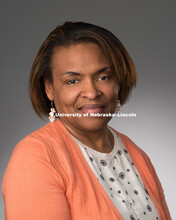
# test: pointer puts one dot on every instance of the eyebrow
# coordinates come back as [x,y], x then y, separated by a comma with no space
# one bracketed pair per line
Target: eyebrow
[78,74]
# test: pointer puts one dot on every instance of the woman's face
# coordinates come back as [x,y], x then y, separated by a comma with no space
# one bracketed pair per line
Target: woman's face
[83,82]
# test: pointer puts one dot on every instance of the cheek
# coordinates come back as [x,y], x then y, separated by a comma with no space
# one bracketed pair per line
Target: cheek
[66,96]
[113,93]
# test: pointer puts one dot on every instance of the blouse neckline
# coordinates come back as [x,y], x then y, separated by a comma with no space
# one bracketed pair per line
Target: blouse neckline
[98,153]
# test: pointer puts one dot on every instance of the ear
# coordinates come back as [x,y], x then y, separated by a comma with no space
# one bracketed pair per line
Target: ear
[48,89]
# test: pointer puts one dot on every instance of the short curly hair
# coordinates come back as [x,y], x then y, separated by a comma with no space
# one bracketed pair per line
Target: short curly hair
[74,33]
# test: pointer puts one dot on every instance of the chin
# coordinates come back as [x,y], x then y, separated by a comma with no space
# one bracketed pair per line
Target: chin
[93,124]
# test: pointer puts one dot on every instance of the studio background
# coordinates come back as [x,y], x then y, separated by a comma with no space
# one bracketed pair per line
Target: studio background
[146,28]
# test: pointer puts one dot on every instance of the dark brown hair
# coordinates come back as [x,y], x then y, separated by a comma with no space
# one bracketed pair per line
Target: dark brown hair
[73,33]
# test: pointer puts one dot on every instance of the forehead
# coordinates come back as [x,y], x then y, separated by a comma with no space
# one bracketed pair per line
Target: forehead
[84,56]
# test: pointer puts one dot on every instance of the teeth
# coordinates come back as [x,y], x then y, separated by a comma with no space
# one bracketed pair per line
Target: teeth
[94,107]
[89,108]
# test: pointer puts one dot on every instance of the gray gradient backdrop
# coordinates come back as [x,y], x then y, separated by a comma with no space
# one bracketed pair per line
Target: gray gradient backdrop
[147,29]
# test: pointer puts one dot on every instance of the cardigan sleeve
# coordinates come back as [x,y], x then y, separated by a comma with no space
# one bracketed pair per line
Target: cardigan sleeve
[32,188]
[160,189]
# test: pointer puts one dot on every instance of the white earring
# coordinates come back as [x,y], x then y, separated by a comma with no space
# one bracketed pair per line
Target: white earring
[52,112]
[117,107]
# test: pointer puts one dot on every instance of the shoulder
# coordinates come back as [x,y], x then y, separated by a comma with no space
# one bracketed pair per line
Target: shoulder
[129,144]
[40,140]
[40,149]
[139,157]
[34,156]
[135,151]
[47,143]
[31,148]
[34,143]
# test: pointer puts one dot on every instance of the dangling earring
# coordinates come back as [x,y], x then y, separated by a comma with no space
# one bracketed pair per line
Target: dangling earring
[52,112]
[117,107]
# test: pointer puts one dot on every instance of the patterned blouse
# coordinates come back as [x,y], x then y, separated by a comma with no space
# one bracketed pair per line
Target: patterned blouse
[120,179]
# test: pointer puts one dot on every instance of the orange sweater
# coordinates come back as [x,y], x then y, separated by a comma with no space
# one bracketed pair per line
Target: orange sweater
[48,178]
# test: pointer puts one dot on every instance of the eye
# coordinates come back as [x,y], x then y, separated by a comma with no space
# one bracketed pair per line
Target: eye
[72,81]
[104,77]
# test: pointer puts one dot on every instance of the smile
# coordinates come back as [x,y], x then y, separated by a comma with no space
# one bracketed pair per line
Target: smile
[95,108]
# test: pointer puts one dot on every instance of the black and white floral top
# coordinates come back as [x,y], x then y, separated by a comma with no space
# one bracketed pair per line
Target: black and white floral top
[120,179]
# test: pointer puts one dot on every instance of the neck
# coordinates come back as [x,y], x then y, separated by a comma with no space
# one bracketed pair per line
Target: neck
[100,140]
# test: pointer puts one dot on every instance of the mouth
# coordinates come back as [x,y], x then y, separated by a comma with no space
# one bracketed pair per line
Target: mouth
[93,108]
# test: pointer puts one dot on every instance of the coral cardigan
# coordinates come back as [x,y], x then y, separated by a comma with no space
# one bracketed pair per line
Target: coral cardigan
[48,178]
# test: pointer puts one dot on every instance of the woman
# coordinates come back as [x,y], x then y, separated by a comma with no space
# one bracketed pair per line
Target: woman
[78,167]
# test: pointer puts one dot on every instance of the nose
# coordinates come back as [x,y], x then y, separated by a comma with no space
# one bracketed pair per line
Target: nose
[90,90]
